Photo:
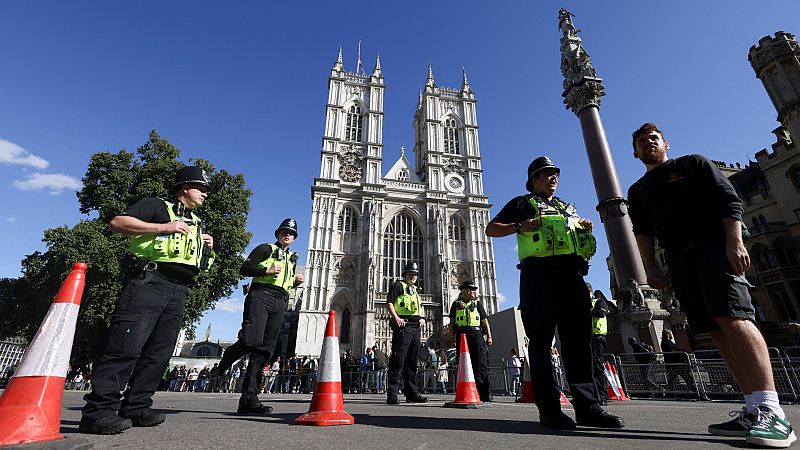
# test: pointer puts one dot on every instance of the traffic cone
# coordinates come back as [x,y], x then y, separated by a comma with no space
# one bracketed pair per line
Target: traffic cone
[327,404]
[564,400]
[613,390]
[527,385]
[466,392]
[622,395]
[30,407]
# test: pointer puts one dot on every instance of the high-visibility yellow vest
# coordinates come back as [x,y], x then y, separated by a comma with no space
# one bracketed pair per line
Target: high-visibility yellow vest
[283,258]
[558,235]
[467,314]
[408,303]
[599,324]
[178,248]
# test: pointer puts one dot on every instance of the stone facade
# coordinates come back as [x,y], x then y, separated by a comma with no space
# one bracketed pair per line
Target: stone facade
[366,225]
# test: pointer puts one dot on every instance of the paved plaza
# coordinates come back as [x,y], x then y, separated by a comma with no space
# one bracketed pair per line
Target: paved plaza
[201,421]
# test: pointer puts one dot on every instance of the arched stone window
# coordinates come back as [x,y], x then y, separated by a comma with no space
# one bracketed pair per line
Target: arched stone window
[781,301]
[457,238]
[764,258]
[793,174]
[451,141]
[402,242]
[347,225]
[354,123]
[344,330]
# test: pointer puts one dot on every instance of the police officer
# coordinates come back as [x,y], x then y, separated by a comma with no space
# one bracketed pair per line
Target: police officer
[168,249]
[554,246]
[470,319]
[405,308]
[272,267]
[600,310]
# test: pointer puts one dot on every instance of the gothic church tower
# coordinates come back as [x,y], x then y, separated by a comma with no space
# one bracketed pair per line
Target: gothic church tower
[365,226]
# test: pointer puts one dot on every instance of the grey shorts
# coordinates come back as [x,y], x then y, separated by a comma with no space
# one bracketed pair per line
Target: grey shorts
[706,287]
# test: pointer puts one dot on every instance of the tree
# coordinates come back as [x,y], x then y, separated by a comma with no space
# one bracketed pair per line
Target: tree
[114,181]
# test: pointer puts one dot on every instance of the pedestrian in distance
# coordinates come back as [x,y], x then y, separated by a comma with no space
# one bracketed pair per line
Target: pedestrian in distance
[405,320]
[167,250]
[554,246]
[513,365]
[272,267]
[694,212]
[471,320]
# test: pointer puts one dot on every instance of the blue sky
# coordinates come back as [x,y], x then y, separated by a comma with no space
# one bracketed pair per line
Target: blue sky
[244,85]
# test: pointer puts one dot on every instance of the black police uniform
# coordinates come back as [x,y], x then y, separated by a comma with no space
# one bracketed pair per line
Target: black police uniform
[478,350]
[599,311]
[405,352]
[261,323]
[144,328]
[553,294]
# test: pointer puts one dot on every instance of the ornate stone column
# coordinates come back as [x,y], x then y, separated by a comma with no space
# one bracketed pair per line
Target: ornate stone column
[583,90]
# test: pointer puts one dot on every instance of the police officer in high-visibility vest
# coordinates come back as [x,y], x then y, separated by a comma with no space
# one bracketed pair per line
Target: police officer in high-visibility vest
[554,246]
[168,249]
[600,310]
[406,319]
[469,317]
[273,268]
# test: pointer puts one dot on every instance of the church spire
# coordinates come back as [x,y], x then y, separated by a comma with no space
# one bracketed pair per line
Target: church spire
[339,65]
[464,83]
[376,72]
[430,81]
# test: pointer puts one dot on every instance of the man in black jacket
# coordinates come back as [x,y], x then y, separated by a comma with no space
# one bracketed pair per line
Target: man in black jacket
[693,211]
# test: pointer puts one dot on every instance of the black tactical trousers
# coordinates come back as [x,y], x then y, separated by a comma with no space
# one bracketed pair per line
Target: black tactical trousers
[479,357]
[261,325]
[598,356]
[550,297]
[403,362]
[144,328]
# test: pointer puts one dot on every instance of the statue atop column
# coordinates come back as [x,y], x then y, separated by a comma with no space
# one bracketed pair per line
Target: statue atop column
[582,87]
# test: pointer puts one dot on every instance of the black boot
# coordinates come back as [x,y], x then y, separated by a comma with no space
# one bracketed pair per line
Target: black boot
[595,416]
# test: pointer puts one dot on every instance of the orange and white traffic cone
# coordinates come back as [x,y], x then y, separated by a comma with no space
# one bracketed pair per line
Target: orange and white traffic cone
[623,395]
[527,385]
[30,408]
[327,404]
[466,392]
[613,390]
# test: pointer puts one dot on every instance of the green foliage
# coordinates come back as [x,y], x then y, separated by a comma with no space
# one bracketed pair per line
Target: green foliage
[114,181]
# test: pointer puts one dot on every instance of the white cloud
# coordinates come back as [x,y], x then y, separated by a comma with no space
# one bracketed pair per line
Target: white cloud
[501,298]
[230,305]
[11,153]
[10,220]
[54,182]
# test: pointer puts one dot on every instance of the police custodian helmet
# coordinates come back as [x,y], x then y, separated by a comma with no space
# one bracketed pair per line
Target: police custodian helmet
[290,225]
[191,174]
[537,165]
[467,285]
[411,267]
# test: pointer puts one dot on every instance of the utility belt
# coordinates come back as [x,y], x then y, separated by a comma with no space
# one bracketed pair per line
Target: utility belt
[134,267]
[466,329]
[558,263]
[268,287]
[412,321]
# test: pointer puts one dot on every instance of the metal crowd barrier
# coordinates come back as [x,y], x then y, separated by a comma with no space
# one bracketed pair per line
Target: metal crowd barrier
[703,375]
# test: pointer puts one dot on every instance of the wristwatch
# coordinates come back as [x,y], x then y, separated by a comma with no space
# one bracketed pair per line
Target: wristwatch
[517,225]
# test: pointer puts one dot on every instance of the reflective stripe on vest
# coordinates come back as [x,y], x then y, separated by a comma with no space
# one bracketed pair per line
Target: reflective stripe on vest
[558,235]
[467,313]
[408,303]
[173,248]
[282,258]
[599,324]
